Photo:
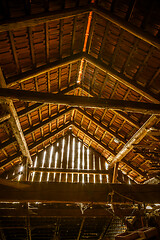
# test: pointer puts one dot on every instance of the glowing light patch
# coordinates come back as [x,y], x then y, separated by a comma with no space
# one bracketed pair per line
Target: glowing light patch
[44,158]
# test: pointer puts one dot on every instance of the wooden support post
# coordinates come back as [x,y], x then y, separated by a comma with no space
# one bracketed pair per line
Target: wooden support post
[14,122]
[115,172]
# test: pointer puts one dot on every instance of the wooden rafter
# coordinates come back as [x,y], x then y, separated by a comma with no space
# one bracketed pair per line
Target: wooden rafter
[4,117]
[135,139]
[81,101]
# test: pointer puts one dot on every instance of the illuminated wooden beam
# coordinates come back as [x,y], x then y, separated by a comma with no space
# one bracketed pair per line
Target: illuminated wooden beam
[81,101]
[135,139]
[136,31]
[82,193]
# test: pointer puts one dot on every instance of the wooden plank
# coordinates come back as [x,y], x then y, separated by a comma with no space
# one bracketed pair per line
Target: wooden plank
[79,192]
[135,139]
[43,69]
[81,101]
[146,37]
[30,21]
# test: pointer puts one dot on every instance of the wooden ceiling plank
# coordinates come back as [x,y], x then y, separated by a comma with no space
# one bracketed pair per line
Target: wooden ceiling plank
[81,101]
[15,124]
[138,32]
[136,138]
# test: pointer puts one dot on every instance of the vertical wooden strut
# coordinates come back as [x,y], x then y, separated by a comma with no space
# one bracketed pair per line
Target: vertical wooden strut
[14,122]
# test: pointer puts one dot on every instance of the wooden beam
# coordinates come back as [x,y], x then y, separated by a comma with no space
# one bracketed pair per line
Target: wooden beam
[10,159]
[33,20]
[78,192]
[4,117]
[14,122]
[115,173]
[64,212]
[70,171]
[146,37]
[121,78]
[135,139]
[81,227]
[36,106]
[43,69]
[81,101]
